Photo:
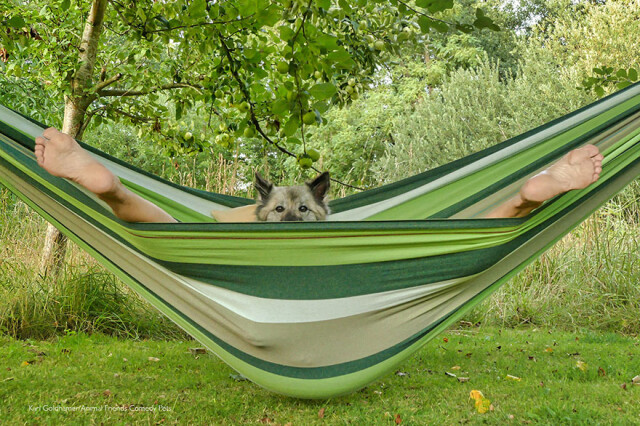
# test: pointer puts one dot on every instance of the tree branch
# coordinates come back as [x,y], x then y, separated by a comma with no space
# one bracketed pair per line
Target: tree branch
[201,24]
[129,92]
[254,119]
[100,86]
[247,97]
[423,14]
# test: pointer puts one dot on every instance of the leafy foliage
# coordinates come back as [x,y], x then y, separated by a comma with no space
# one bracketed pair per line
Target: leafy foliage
[266,68]
[606,77]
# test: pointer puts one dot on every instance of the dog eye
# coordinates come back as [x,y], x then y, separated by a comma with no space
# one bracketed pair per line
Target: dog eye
[303,208]
[279,209]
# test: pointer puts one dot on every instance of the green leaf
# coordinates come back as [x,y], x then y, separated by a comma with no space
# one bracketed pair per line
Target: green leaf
[323,91]
[623,84]
[65,5]
[344,5]
[441,27]
[599,91]
[425,24]
[198,9]
[327,41]
[286,33]
[633,74]
[292,126]
[16,22]
[248,7]
[341,58]
[465,28]
[435,5]
[325,4]
[280,107]
[622,73]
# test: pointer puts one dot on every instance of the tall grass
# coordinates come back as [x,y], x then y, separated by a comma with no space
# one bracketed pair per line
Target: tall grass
[84,297]
[590,279]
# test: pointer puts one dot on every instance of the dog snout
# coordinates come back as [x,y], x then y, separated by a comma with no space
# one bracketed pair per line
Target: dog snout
[289,217]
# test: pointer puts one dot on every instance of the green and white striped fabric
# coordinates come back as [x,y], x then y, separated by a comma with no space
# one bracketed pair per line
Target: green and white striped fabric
[319,309]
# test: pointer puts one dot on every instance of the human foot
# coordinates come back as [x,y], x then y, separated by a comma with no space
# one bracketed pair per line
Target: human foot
[576,170]
[60,155]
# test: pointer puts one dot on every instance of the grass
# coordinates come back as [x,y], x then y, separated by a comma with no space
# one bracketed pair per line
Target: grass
[84,297]
[561,377]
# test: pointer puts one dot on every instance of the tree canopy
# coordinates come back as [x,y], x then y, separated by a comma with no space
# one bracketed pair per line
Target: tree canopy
[267,69]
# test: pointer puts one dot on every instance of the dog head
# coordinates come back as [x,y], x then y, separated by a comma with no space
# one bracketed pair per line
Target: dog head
[306,202]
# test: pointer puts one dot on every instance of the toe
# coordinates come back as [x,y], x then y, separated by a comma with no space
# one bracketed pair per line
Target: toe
[592,150]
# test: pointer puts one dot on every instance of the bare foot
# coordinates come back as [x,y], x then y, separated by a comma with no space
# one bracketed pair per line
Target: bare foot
[576,170]
[60,155]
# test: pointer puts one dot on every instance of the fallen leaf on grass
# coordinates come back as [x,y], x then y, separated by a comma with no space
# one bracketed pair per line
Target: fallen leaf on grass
[482,404]
[266,420]
[549,350]
[456,367]
[401,373]
[154,359]
[26,363]
[463,379]
[623,386]
[398,419]
[197,351]
[445,340]
[601,372]
[515,378]
[636,380]
[321,413]
[581,365]
[107,392]
[8,379]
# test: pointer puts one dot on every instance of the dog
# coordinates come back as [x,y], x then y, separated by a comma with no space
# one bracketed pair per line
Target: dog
[306,202]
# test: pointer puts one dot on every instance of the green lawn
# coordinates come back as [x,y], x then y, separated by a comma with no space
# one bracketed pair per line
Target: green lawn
[560,377]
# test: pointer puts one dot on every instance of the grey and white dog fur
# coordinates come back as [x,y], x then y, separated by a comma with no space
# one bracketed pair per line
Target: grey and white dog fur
[306,202]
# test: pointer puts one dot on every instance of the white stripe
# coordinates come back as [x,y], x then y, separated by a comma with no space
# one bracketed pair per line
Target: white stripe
[263,310]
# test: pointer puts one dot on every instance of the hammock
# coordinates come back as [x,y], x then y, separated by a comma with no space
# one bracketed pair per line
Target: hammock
[317,309]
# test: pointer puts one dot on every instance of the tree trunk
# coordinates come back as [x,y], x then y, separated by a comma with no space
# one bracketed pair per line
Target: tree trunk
[75,108]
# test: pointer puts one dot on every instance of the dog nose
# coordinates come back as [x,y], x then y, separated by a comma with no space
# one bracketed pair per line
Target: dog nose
[291,218]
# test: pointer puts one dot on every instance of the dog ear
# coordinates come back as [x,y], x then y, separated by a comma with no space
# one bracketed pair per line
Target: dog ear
[320,186]
[263,187]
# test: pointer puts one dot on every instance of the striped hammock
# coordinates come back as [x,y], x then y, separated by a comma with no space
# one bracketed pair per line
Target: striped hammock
[317,309]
